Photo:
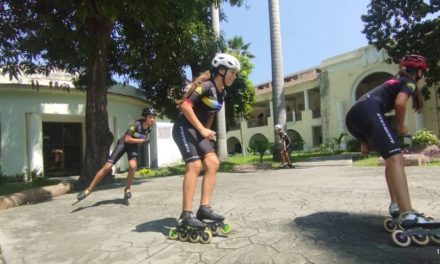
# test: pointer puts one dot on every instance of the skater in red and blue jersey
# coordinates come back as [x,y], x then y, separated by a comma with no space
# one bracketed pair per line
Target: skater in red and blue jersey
[192,134]
[137,133]
[366,121]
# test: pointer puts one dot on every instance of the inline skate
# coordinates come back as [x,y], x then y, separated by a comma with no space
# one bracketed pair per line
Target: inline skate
[189,228]
[81,196]
[415,227]
[390,223]
[214,221]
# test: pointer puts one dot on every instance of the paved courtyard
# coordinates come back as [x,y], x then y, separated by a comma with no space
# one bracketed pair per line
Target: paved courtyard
[320,212]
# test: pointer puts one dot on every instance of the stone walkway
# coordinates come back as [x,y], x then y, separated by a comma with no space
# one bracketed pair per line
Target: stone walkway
[320,212]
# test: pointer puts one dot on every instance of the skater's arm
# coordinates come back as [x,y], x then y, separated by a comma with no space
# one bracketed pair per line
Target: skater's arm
[188,112]
[400,108]
[209,122]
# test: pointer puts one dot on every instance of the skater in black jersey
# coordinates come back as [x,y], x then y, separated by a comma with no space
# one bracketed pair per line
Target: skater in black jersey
[138,133]
[284,147]
[192,134]
[366,121]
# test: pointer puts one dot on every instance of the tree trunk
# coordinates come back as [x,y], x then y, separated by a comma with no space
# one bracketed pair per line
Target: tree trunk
[222,148]
[98,135]
[279,108]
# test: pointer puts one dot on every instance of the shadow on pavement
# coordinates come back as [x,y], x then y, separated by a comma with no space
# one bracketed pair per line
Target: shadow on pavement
[113,201]
[159,226]
[360,235]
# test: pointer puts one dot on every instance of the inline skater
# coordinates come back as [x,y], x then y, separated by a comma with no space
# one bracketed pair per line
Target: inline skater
[192,134]
[284,147]
[137,133]
[366,122]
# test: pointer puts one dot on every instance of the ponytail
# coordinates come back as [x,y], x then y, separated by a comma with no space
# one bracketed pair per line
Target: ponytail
[189,89]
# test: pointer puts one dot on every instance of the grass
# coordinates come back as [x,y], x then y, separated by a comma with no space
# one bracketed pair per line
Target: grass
[19,186]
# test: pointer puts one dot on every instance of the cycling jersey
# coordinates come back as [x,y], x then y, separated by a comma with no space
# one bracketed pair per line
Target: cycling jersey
[284,140]
[206,101]
[136,131]
[366,118]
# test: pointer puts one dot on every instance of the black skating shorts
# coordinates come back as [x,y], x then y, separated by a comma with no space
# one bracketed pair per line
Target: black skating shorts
[367,123]
[191,144]
[120,149]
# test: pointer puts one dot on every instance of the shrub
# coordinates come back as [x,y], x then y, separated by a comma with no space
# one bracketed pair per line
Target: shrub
[424,138]
[432,152]
[353,145]
[260,147]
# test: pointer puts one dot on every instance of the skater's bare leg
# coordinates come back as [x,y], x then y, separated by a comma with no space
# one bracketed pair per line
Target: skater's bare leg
[132,166]
[395,169]
[211,165]
[189,183]
[100,175]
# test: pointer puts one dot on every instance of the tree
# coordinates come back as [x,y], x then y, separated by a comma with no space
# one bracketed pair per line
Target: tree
[279,104]
[237,46]
[148,42]
[241,95]
[404,27]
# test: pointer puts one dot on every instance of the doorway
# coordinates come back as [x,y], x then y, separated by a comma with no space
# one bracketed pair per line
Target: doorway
[62,149]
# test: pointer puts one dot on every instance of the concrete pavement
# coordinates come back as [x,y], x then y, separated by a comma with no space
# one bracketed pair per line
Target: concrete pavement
[320,212]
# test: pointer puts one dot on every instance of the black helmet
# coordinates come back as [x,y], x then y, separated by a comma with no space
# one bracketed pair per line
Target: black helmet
[148,111]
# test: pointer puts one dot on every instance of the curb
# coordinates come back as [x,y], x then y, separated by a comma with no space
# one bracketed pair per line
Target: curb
[34,195]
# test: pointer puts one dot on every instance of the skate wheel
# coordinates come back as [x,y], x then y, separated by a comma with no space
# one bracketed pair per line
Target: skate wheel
[435,239]
[420,240]
[399,239]
[183,236]
[172,234]
[205,237]
[214,229]
[194,237]
[389,225]
[225,229]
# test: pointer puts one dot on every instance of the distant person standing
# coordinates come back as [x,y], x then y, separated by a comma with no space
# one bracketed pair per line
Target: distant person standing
[284,147]
[137,133]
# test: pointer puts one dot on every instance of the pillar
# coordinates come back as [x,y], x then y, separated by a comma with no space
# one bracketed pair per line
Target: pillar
[34,144]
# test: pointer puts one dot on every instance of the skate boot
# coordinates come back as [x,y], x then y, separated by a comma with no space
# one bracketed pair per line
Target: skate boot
[81,196]
[214,221]
[390,223]
[127,194]
[415,227]
[282,166]
[190,228]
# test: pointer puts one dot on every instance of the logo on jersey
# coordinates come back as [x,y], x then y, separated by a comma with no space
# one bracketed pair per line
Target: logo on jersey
[198,90]
[411,86]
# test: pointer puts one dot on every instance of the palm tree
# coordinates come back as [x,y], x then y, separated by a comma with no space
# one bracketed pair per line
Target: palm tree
[237,46]
[222,147]
[279,109]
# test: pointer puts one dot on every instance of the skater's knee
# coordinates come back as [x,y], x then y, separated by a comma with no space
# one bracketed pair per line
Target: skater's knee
[194,166]
[395,160]
[212,163]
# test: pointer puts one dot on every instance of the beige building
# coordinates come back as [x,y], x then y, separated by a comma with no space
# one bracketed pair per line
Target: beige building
[318,99]
[42,126]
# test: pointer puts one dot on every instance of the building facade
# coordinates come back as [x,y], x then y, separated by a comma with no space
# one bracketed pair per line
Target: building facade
[42,126]
[318,99]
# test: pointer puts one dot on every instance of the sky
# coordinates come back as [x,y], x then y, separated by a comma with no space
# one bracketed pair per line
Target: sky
[311,31]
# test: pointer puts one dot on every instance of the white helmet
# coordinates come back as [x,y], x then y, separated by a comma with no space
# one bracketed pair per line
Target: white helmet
[278,126]
[226,60]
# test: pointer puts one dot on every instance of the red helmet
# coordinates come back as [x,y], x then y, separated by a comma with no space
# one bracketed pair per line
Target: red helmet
[414,61]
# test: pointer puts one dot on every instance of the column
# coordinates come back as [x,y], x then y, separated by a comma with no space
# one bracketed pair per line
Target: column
[341,123]
[34,144]
[419,121]
[306,100]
